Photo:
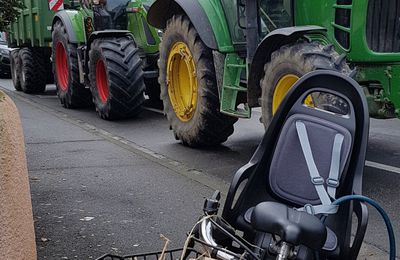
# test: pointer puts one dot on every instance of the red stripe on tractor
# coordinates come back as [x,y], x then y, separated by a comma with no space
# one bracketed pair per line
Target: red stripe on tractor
[57,5]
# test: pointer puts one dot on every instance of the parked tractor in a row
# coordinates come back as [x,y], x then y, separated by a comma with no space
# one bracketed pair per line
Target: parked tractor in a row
[218,59]
[102,52]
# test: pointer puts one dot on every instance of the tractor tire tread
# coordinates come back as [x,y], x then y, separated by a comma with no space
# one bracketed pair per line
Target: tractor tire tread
[299,58]
[209,126]
[124,75]
[77,95]
[33,71]
[15,63]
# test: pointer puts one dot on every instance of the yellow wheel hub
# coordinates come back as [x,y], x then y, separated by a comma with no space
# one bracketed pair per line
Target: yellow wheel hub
[182,81]
[283,86]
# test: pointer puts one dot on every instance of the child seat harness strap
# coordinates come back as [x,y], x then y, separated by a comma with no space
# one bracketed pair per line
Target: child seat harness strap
[332,182]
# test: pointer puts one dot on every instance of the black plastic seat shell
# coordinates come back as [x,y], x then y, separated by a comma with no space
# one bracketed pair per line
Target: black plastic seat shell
[257,171]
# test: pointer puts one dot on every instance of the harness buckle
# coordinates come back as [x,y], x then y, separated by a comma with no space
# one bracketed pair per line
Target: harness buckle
[309,209]
[332,183]
[317,180]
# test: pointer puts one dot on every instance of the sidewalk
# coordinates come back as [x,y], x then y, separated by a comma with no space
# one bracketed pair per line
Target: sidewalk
[92,197]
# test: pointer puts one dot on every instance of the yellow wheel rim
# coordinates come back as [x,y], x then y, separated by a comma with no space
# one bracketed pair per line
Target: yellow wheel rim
[182,81]
[283,86]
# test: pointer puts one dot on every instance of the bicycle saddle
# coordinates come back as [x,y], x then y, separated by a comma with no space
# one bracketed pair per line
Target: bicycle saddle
[292,226]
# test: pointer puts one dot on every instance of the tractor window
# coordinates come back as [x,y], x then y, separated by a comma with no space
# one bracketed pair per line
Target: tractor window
[110,14]
[117,5]
[275,14]
[234,12]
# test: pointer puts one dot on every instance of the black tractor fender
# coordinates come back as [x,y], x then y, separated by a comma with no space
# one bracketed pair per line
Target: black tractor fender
[272,42]
[162,10]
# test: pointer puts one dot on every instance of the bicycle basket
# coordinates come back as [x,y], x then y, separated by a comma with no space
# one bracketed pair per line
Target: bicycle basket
[174,254]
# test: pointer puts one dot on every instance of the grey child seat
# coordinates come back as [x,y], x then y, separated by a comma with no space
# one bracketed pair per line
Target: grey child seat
[308,158]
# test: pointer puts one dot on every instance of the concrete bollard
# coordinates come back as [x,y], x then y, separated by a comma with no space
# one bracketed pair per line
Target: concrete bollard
[17,235]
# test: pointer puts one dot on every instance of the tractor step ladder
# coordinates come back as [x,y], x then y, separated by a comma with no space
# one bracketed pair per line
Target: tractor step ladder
[233,68]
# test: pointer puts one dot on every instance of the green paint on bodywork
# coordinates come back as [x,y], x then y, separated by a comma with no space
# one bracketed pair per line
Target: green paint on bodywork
[76,17]
[372,67]
[136,24]
[378,72]
[359,50]
[234,65]
[32,28]
[217,18]
[323,14]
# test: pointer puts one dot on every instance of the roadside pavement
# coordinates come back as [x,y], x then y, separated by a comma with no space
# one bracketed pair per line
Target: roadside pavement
[91,196]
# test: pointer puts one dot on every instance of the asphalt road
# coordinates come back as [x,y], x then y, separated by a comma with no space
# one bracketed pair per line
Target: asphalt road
[100,186]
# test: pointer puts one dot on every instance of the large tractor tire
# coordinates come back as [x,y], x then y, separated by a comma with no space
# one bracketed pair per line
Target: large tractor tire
[70,91]
[290,63]
[116,77]
[15,63]
[33,71]
[189,87]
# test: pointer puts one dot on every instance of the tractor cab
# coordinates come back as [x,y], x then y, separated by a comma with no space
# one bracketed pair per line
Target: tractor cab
[274,14]
[267,16]
[110,14]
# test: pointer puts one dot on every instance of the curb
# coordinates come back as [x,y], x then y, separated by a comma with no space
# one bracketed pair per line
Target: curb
[17,240]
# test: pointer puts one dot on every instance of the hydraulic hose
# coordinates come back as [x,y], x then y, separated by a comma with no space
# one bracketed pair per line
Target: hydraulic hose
[392,243]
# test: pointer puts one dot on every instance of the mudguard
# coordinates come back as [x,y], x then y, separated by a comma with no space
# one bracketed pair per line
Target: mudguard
[272,42]
[107,33]
[73,22]
[162,10]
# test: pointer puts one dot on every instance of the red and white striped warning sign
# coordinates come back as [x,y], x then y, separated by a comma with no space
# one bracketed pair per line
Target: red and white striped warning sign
[56,5]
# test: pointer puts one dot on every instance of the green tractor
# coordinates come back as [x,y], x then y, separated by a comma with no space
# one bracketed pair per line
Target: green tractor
[105,52]
[221,58]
